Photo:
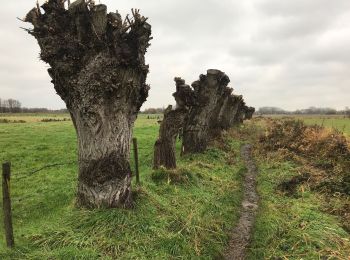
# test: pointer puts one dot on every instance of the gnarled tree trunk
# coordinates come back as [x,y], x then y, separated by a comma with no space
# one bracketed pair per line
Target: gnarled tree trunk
[98,69]
[230,111]
[207,92]
[249,112]
[219,111]
[164,148]
[240,113]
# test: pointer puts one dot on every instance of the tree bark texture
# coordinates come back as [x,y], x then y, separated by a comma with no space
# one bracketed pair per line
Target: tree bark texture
[219,110]
[164,148]
[229,111]
[240,114]
[97,66]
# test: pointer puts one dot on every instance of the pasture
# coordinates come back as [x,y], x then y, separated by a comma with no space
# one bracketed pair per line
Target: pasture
[171,217]
[182,214]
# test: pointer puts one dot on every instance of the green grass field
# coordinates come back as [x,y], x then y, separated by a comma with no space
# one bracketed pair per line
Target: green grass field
[340,123]
[294,227]
[170,221]
[32,117]
[186,220]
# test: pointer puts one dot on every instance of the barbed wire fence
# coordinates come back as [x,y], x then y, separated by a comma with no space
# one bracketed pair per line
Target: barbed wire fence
[145,159]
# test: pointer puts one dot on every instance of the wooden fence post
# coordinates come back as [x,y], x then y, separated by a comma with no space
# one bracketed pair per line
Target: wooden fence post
[136,157]
[6,174]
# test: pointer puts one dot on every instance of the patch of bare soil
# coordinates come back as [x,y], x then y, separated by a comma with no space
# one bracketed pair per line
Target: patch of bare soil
[241,234]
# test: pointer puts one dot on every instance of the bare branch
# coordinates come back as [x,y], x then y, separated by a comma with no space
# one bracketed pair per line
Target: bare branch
[22,20]
[27,30]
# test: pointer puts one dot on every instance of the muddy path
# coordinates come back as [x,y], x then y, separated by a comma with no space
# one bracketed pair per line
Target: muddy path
[241,234]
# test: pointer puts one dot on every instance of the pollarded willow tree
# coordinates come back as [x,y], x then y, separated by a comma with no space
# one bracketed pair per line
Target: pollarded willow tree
[97,66]
[208,90]
[249,112]
[230,111]
[219,110]
[240,114]
[164,148]
[202,113]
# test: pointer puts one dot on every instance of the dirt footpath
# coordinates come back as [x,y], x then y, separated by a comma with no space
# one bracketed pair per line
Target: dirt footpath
[241,234]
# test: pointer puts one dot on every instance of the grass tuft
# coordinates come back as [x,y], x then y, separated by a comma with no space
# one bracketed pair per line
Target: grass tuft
[174,176]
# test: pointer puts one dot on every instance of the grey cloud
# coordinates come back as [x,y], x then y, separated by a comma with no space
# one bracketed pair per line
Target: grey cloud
[290,54]
[300,18]
[303,7]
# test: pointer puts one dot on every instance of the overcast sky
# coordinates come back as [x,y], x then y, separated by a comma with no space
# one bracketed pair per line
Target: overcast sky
[285,53]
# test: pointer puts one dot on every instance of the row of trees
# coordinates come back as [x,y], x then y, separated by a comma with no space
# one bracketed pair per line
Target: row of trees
[307,111]
[14,106]
[158,110]
[10,106]
[202,112]
[97,66]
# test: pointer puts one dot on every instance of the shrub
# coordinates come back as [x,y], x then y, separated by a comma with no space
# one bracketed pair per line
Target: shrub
[54,120]
[325,148]
[7,121]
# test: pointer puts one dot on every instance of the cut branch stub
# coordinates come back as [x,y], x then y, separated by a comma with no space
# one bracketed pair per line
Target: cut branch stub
[184,95]
[164,148]
[207,91]
[98,68]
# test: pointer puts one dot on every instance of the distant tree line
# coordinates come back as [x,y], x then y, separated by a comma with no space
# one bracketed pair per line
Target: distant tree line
[153,111]
[14,106]
[307,111]
[10,106]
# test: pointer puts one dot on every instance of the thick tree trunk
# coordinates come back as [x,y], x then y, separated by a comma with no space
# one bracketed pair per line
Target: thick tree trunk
[207,91]
[249,112]
[164,148]
[104,148]
[98,69]
[219,112]
[164,154]
[240,113]
[230,111]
